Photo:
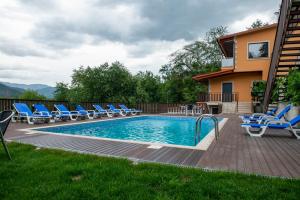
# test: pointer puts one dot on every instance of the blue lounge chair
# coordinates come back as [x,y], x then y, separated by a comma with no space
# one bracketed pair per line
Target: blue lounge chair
[73,115]
[256,116]
[41,108]
[257,130]
[55,114]
[133,111]
[262,118]
[23,112]
[91,114]
[102,111]
[116,111]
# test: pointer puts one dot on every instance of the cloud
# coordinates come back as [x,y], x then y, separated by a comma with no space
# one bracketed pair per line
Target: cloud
[60,35]
[133,21]
[18,48]
[20,67]
[146,47]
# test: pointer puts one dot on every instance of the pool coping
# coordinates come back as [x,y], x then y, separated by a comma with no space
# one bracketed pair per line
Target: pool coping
[202,145]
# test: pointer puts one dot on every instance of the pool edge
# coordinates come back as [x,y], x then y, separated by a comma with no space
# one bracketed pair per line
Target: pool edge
[202,145]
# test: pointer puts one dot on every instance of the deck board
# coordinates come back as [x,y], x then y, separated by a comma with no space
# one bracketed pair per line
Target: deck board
[276,154]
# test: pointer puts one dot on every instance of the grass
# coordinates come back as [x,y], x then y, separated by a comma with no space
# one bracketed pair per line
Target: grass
[53,174]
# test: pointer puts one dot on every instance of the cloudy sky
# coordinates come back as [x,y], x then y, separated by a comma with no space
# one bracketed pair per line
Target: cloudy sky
[42,41]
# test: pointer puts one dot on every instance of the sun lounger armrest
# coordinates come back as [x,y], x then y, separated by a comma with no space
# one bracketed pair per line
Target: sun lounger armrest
[270,118]
[23,113]
[64,112]
[55,112]
[37,113]
[74,112]
[279,122]
[258,115]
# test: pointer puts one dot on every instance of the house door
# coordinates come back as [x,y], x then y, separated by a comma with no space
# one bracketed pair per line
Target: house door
[227,92]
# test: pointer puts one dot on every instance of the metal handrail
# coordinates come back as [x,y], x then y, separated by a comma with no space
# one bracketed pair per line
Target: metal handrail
[198,127]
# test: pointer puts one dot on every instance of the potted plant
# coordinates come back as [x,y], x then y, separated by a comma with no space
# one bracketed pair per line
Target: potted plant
[257,93]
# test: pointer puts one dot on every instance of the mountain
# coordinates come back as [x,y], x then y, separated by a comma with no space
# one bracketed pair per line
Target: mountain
[47,91]
[6,91]
[26,86]
[42,89]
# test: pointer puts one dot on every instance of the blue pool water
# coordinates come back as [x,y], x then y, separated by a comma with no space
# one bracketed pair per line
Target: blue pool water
[158,129]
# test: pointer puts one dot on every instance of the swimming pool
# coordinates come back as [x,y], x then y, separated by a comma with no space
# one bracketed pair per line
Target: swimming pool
[153,129]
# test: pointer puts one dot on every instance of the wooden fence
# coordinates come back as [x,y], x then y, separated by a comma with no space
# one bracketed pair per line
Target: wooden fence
[151,108]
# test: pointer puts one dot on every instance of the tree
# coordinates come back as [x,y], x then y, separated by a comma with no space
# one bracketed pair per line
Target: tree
[147,87]
[199,57]
[32,95]
[104,83]
[257,23]
[293,86]
[61,92]
[114,83]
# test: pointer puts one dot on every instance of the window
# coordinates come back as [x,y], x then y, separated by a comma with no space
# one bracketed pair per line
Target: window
[258,50]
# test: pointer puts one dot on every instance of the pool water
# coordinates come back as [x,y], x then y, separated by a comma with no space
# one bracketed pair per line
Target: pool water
[154,129]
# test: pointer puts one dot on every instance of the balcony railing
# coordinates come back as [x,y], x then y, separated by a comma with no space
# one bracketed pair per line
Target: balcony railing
[219,97]
[227,62]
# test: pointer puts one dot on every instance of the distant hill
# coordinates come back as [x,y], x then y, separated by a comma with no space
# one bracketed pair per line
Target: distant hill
[6,91]
[47,91]
[42,89]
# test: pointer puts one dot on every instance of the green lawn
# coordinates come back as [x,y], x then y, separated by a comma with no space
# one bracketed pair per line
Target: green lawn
[53,174]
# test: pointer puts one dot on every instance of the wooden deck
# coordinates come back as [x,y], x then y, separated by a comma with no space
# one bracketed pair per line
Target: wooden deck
[276,154]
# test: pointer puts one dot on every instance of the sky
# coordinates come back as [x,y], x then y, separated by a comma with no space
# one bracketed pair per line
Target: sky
[42,41]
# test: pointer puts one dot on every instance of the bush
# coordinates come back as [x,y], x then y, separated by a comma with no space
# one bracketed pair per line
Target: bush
[293,87]
[32,95]
[258,90]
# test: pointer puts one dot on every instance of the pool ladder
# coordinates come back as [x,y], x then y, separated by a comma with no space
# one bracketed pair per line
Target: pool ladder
[198,126]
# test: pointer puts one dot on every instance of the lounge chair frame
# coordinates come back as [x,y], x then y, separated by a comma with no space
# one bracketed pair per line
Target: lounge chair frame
[259,132]
[73,115]
[3,126]
[90,114]
[36,116]
[103,111]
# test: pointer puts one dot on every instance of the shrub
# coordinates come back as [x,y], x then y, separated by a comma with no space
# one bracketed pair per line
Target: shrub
[293,86]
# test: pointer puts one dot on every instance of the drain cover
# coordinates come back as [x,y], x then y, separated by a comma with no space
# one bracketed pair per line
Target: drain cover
[154,146]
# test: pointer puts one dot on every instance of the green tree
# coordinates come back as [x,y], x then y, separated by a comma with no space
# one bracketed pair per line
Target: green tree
[104,83]
[257,23]
[61,92]
[147,87]
[32,95]
[114,83]
[293,86]
[196,58]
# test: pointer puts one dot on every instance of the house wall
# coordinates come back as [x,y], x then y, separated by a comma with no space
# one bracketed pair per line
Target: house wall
[242,63]
[241,84]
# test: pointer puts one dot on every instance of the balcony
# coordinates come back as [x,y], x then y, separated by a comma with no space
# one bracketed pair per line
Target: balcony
[218,97]
[227,62]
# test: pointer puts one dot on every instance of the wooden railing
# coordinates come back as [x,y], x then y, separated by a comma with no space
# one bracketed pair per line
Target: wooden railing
[219,97]
[151,108]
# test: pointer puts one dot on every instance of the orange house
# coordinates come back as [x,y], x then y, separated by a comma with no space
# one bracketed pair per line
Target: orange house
[247,57]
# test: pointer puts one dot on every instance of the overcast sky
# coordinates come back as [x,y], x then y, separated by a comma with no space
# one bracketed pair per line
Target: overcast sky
[42,41]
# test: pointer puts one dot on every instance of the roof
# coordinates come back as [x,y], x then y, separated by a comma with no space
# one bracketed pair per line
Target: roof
[222,72]
[248,31]
[227,40]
